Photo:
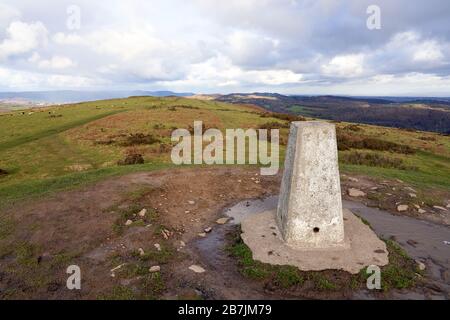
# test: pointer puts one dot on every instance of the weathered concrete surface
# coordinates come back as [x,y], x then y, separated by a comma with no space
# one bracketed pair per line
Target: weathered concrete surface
[309,213]
[361,246]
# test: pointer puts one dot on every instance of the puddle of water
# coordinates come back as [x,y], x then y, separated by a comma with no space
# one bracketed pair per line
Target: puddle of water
[248,207]
[422,240]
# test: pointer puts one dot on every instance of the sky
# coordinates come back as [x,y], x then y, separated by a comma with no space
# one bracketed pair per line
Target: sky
[207,46]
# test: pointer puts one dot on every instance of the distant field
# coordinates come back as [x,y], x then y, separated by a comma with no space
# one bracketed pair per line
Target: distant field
[61,147]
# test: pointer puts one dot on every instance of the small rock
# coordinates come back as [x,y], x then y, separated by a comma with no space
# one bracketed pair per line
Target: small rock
[417,206]
[186,211]
[412,195]
[141,252]
[182,244]
[157,246]
[421,265]
[421,211]
[142,213]
[239,180]
[129,222]
[374,188]
[440,208]
[353,179]
[410,189]
[154,269]
[402,207]
[191,202]
[117,268]
[399,181]
[448,206]
[222,220]
[202,234]
[352,192]
[196,268]
[208,230]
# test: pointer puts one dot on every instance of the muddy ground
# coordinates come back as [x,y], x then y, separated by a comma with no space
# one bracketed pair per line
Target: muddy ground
[99,229]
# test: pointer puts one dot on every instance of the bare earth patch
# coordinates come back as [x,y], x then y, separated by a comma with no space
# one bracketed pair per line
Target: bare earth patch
[120,248]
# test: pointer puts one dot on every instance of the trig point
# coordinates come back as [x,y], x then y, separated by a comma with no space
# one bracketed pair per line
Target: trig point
[310,229]
[310,208]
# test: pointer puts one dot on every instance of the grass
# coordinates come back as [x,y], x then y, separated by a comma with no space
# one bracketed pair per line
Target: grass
[38,188]
[41,154]
[400,273]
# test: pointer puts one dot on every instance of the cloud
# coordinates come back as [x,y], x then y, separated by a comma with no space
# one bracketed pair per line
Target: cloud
[346,66]
[22,37]
[290,46]
[55,62]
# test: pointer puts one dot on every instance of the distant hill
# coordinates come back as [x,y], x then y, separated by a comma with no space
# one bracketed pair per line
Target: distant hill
[70,96]
[427,114]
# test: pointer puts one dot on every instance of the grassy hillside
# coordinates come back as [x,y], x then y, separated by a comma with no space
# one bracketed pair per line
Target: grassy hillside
[55,148]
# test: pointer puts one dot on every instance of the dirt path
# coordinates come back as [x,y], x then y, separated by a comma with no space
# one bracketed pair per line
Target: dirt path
[87,227]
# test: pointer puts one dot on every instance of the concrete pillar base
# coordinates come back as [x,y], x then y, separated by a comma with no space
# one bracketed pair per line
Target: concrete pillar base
[360,248]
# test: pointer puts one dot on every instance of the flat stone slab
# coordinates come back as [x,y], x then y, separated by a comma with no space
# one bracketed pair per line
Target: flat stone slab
[360,249]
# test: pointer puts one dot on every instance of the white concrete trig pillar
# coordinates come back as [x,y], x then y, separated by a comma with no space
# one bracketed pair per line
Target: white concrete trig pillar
[309,212]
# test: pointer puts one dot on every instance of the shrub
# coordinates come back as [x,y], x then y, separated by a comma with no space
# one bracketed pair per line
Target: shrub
[273,125]
[373,160]
[347,141]
[353,127]
[139,138]
[283,116]
[132,157]
[425,138]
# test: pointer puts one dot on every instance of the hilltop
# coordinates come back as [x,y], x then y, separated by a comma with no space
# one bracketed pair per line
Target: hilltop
[67,197]
[428,114]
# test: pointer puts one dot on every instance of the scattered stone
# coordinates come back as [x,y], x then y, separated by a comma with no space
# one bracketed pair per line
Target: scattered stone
[157,246]
[352,192]
[421,265]
[399,181]
[410,189]
[186,211]
[208,230]
[182,243]
[412,195]
[202,234]
[196,268]
[421,211]
[239,180]
[353,179]
[447,243]
[141,252]
[402,207]
[166,233]
[417,206]
[129,222]
[448,206]
[115,269]
[374,188]
[412,243]
[440,208]
[142,213]
[222,220]
[154,269]
[191,202]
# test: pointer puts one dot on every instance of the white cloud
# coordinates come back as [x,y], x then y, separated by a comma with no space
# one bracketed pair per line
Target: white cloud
[23,37]
[344,66]
[272,45]
[7,15]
